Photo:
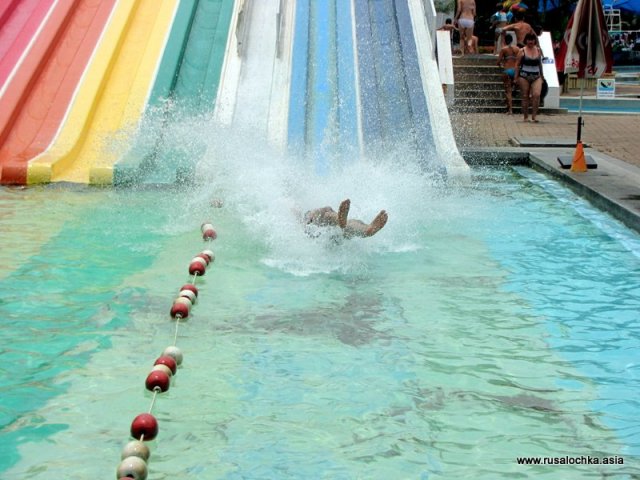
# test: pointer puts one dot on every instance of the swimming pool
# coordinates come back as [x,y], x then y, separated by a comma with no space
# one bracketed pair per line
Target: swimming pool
[486,322]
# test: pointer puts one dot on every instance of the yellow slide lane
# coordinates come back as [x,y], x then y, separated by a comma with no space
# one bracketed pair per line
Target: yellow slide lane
[111,96]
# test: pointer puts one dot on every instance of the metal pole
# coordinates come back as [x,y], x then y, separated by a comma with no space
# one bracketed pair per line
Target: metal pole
[591,5]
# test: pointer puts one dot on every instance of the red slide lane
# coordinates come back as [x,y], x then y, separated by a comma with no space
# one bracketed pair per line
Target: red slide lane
[19,21]
[38,96]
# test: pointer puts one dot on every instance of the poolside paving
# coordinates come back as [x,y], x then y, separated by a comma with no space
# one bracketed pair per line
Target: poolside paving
[615,135]
[613,141]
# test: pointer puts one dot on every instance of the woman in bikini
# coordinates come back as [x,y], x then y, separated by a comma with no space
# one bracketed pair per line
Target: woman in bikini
[507,60]
[529,76]
[464,21]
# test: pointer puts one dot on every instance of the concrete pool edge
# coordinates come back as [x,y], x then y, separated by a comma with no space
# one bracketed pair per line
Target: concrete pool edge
[613,187]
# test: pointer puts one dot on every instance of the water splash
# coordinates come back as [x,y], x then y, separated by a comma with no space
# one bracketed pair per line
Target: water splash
[268,190]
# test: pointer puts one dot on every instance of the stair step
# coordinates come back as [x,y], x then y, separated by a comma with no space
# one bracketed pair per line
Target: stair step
[479,89]
[489,102]
[478,85]
[475,60]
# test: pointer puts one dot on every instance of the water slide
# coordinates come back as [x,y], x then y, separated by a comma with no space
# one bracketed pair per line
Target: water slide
[39,92]
[186,84]
[323,119]
[401,95]
[359,74]
[110,98]
[394,109]
[20,20]
[364,78]
[254,89]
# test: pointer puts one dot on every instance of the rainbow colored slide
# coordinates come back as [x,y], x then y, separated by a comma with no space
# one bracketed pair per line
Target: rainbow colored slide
[77,76]
[80,78]
[37,94]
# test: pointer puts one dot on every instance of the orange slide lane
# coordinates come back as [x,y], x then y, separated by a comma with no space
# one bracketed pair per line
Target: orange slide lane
[38,96]
[19,21]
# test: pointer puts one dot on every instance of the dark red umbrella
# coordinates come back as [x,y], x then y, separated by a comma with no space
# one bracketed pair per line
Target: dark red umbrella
[586,47]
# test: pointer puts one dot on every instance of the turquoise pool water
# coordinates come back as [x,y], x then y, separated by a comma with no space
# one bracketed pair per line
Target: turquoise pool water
[485,322]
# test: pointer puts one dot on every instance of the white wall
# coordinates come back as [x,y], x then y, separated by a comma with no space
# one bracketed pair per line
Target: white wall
[552,100]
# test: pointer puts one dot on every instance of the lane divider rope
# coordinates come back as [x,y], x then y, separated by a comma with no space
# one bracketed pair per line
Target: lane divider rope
[144,427]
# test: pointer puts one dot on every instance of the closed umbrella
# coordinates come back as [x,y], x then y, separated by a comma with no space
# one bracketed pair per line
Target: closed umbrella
[586,48]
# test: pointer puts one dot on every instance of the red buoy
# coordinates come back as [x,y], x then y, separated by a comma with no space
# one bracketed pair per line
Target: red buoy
[168,361]
[191,287]
[157,379]
[188,294]
[209,254]
[204,257]
[179,310]
[198,265]
[144,424]
[208,232]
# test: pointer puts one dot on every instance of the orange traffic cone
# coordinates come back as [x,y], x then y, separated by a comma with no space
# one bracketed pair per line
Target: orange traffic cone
[579,163]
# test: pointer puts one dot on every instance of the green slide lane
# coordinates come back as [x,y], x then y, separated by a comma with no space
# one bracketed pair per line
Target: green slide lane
[186,85]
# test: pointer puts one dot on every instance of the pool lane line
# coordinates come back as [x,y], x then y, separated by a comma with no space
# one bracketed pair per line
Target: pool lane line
[144,427]
[49,79]
[111,96]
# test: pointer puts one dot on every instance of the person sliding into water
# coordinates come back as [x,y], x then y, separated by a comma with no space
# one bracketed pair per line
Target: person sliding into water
[328,217]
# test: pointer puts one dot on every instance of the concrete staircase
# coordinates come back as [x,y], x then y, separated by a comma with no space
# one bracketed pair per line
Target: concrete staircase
[478,85]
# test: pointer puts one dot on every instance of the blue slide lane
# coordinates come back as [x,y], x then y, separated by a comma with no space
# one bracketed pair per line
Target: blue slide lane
[417,100]
[322,112]
[394,107]
[371,121]
[321,87]
[347,109]
[299,73]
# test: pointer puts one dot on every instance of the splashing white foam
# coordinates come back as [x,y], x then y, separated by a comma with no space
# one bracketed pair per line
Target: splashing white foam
[269,190]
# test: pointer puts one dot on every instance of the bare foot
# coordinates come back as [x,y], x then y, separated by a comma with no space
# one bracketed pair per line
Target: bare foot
[343,213]
[377,223]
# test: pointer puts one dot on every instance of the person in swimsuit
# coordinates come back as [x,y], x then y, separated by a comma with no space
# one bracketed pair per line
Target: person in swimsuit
[499,20]
[529,76]
[520,28]
[507,60]
[465,20]
[328,217]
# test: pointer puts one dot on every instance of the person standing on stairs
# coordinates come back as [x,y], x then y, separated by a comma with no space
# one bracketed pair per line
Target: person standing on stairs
[464,20]
[507,60]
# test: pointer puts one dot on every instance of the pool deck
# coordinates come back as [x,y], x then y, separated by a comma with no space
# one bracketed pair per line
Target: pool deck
[612,141]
